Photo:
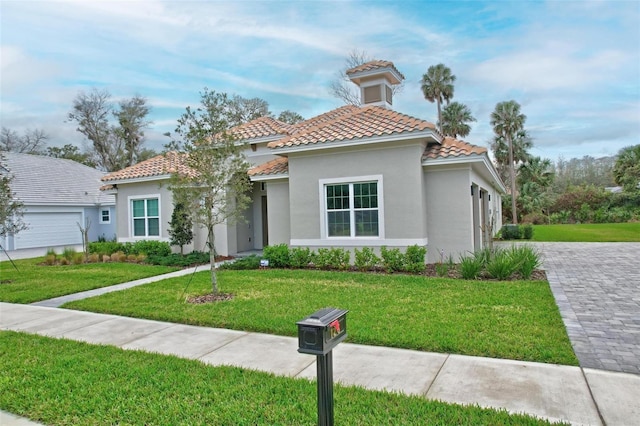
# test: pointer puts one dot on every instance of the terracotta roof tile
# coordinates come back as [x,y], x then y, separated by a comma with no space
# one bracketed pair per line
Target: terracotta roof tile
[273,167]
[262,127]
[351,122]
[373,65]
[159,165]
[451,147]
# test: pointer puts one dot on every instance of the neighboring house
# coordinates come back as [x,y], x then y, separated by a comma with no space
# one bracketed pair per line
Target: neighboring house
[352,177]
[58,195]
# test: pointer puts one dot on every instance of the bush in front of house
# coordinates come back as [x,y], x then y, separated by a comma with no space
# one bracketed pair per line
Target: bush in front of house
[179,260]
[243,263]
[366,259]
[414,259]
[277,255]
[146,247]
[518,261]
[516,232]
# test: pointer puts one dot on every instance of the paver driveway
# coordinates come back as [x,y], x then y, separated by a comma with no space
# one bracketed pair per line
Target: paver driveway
[597,288]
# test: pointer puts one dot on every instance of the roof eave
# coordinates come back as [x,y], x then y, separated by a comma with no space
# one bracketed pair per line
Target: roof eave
[138,179]
[263,178]
[470,158]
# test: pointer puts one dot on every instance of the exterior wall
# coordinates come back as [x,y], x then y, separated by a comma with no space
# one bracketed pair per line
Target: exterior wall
[99,229]
[401,207]
[259,191]
[449,211]
[495,204]
[278,212]
[261,155]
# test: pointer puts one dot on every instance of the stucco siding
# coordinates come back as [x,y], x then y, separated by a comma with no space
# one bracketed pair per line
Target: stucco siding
[142,190]
[278,212]
[495,203]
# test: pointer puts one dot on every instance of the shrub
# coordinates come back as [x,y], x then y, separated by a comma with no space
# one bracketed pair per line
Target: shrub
[526,259]
[584,215]
[141,258]
[94,257]
[64,261]
[278,256]
[442,269]
[501,266]
[106,247]
[249,262]
[339,258]
[122,257]
[527,232]
[414,259]
[471,266]
[149,247]
[68,253]
[561,217]
[323,258]
[51,252]
[50,259]
[132,258]
[179,260]
[392,259]
[510,232]
[366,259]
[106,258]
[78,258]
[115,256]
[484,256]
[535,219]
[300,257]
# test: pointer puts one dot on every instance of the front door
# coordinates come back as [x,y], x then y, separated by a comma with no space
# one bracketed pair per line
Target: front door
[265,223]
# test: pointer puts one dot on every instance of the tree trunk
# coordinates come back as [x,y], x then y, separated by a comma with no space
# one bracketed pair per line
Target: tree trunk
[212,260]
[512,172]
[439,126]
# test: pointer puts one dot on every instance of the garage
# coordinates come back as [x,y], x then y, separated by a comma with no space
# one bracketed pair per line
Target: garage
[50,229]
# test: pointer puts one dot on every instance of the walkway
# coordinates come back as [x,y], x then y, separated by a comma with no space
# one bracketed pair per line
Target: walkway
[573,394]
[597,288]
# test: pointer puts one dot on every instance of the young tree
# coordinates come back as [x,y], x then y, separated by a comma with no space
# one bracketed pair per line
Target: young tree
[11,209]
[290,117]
[437,86]
[215,185]
[181,226]
[507,122]
[626,172]
[31,141]
[455,117]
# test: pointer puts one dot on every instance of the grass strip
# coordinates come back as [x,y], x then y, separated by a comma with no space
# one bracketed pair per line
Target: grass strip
[63,382]
[588,232]
[513,320]
[34,281]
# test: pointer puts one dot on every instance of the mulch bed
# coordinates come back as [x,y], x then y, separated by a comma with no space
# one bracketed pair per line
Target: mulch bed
[209,298]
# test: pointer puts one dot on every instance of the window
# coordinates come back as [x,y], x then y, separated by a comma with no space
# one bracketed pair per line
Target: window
[352,209]
[105,216]
[146,217]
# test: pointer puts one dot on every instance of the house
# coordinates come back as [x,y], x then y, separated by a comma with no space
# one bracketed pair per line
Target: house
[58,195]
[352,177]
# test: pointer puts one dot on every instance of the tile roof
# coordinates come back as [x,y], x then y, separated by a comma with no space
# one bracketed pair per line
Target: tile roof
[352,123]
[274,167]
[262,127]
[451,147]
[54,181]
[159,165]
[373,65]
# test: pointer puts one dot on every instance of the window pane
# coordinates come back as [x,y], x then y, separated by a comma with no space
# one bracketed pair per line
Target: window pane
[339,224]
[152,207]
[337,197]
[105,215]
[138,208]
[138,228]
[154,227]
[367,223]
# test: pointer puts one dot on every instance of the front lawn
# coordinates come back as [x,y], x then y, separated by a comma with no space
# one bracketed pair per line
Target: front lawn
[589,232]
[34,281]
[68,383]
[514,320]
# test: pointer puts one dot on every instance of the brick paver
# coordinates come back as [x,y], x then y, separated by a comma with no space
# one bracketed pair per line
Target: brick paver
[597,288]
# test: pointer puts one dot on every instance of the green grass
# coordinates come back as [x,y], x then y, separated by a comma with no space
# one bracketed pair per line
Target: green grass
[514,320]
[33,281]
[68,383]
[591,232]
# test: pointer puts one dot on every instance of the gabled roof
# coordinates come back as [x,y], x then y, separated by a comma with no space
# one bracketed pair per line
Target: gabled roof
[451,147]
[262,127]
[160,165]
[40,180]
[279,166]
[352,123]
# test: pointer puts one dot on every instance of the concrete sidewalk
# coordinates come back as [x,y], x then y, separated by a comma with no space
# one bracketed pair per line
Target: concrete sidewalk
[579,396]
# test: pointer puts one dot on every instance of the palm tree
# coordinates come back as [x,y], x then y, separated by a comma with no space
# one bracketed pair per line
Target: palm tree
[437,86]
[454,120]
[521,144]
[626,172]
[507,121]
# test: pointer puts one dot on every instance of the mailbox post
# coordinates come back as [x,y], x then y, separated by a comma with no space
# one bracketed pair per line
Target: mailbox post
[318,334]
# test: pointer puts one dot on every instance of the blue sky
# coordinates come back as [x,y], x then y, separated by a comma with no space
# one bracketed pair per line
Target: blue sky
[574,66]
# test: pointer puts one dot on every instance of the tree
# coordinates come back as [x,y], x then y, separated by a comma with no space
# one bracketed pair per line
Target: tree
[454,120]
[521,143]
[242,110]
[181,226]
[215,185]
[341,86]
[31,141]
[535,177]
[508,123]
[437,86]
[71,152]
[114,146]
[626,171]
[11,209]
[290,117]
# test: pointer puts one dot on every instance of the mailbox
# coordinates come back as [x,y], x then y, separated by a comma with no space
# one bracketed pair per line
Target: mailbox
[322,331]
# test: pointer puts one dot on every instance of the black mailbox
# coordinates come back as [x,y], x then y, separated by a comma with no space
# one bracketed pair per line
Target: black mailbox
[322,331]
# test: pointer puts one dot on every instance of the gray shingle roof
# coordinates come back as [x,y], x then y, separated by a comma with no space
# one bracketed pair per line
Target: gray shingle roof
[39,180]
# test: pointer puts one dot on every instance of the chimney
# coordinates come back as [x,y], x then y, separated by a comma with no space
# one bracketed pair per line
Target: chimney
[376,80]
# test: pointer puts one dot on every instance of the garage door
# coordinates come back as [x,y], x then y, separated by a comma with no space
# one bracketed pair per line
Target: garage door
[49,229]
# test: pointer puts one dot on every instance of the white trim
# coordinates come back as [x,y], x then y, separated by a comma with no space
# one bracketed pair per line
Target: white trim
[133,240]
[137,180]
[261,178]
[263,139]
[352,179]
[404,136]
[100,217]
[358,242]
[131,198]
[469,159]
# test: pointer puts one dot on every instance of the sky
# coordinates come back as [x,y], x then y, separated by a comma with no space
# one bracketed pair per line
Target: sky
[573,66]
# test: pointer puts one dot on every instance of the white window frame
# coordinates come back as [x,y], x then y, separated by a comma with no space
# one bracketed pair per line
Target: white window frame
[102,221]
[146,197]
[324,213]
